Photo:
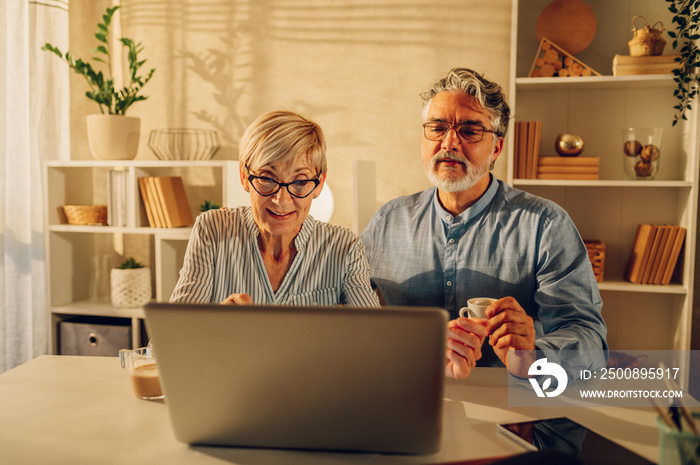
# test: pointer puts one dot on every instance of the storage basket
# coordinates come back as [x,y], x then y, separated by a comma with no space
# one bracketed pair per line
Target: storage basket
[647,41]
[596,254]
[86,214]
[130,287]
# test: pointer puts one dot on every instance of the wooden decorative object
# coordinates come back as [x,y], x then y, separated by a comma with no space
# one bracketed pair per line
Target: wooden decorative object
[569,23]
[86,214]
[596,254]
[552,60]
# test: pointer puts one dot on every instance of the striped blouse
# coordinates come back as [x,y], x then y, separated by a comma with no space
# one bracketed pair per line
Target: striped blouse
[223,258]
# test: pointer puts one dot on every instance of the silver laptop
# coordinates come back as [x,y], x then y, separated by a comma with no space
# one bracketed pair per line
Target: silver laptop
[330,378]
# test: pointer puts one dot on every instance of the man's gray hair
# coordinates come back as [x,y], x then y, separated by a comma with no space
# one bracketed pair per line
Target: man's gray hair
[489,95]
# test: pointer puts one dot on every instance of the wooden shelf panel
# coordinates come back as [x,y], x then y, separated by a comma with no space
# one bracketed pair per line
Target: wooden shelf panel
[86,307]
[169,233]
[601,183]
[624,286]
[596,82]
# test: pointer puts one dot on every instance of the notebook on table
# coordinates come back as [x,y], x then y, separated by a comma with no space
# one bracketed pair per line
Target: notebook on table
[329,378]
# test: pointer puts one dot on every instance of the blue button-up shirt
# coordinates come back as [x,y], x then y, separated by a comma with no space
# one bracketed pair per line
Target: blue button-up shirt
[508,243]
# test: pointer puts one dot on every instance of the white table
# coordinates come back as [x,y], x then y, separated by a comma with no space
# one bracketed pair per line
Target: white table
[81,410]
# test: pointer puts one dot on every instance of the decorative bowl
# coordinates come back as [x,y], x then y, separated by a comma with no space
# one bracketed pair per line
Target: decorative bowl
[184,143]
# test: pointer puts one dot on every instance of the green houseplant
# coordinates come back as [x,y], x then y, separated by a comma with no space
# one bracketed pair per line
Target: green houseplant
[208,205]
[110,100]
[111,134]
[129,264]
[686,17]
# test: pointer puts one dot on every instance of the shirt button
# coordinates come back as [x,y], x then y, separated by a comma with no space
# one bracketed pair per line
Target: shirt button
[451,241]
[448,218]
[449,283]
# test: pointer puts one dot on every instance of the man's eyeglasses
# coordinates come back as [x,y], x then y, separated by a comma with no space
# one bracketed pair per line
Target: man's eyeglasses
[267,187]
[468,133]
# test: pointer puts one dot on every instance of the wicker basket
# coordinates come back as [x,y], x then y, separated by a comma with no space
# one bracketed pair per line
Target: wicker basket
[647,41]
[130,287]
[86,214]
[596,254]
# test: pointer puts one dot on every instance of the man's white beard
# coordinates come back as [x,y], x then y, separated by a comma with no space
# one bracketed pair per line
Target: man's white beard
[472,175]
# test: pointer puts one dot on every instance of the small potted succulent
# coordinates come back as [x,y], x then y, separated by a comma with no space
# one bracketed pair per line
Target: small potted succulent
[111,134]
[130,284]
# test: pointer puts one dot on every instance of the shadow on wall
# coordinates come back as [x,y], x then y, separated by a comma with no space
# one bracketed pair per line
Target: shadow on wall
[219,49]
[354,67]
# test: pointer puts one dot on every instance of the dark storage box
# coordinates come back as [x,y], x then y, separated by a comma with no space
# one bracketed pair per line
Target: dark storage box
[94,336]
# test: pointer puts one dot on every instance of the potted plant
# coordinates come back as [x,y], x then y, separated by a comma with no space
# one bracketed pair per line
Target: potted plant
[208,205]
[111,134]
[685,18]
[130,284]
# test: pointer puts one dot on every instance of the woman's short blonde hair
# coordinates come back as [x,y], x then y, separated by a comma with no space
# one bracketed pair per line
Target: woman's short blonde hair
[280,136]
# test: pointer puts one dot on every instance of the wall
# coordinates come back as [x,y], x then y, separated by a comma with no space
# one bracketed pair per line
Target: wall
[356,67]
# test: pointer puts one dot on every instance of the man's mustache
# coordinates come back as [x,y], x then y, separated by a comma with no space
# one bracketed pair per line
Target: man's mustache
[440,156]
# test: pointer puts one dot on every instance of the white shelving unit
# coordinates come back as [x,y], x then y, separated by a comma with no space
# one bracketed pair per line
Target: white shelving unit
[70,249]
[639,317]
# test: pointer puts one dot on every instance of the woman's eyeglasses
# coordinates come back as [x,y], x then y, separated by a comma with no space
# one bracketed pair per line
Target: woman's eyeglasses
[267,187]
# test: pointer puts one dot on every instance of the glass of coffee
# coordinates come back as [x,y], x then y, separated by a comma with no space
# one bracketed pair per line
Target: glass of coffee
[143,372]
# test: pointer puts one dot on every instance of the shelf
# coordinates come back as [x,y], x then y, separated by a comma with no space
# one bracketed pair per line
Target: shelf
[75,252]
[169,233]
[596,82]
[624,286]
[86,307]
[139,163]
[601,183]
[611,209]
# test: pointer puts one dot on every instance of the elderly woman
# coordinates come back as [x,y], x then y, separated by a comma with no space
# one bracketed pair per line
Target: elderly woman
[273,252]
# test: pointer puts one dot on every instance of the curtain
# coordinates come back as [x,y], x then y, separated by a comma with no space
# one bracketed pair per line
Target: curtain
[33,129]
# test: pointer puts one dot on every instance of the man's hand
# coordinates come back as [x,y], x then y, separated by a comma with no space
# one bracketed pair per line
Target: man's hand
[237,299]
[464,339]
[510,328]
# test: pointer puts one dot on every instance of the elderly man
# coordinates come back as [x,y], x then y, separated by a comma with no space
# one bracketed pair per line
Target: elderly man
[472,235]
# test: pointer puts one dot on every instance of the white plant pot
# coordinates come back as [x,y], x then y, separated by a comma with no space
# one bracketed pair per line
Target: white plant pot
[113,137]
[130,287]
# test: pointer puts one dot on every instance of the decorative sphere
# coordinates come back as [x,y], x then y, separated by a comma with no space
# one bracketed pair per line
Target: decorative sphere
[568,145]
[649,153]
[632,148]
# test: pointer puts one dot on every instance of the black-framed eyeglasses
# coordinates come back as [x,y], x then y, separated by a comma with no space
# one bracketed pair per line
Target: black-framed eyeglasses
[468,133]
[266,186]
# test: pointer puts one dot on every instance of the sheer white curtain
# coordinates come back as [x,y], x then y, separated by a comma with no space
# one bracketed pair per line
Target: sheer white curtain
[33,128]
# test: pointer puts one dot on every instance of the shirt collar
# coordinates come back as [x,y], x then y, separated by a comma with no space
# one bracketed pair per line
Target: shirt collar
[304,233]
[471,211]
[250,222]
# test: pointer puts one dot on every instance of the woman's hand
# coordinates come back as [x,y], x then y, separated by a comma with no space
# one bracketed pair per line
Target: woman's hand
[237,299]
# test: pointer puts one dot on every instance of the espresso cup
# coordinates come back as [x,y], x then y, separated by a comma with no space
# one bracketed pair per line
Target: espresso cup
[476,307]
[143,372]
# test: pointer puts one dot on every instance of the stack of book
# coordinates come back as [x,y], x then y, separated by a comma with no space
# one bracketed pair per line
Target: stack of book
[165,201]
[582,168]
[625,65]
[527,148]
[654,254]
